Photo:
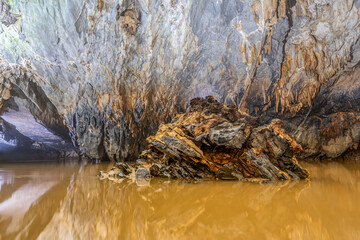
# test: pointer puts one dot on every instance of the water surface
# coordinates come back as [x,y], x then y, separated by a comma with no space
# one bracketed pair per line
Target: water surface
[68,201]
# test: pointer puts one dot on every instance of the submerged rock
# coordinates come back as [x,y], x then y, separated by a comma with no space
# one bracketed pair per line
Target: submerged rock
[212,140]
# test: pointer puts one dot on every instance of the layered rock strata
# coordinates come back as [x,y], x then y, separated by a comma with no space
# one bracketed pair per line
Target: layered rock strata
[212,140]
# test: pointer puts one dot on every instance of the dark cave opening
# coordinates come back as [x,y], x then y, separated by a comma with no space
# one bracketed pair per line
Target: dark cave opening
[31,128]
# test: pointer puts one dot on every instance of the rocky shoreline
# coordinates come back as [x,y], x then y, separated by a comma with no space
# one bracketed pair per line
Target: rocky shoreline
[216,141]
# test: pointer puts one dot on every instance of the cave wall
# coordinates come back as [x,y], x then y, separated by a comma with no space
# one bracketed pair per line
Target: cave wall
[116,69]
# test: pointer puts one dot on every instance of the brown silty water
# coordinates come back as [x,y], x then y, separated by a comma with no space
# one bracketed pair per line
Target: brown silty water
[68,201]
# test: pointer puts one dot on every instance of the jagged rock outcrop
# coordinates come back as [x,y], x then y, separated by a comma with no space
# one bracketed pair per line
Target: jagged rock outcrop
[213,140]
[115,70]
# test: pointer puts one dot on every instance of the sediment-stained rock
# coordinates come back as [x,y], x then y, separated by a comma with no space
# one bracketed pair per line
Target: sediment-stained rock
[212,140]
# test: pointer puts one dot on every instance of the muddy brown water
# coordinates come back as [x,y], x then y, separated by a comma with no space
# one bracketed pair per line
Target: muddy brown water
[68,201]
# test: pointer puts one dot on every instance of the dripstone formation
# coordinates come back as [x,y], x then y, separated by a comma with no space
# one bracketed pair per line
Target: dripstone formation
[213,140]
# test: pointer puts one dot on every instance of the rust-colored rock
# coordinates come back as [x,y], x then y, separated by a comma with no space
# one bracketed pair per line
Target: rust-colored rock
[212,140]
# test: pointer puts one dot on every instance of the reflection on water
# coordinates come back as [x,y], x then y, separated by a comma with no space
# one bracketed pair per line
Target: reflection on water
[70,202]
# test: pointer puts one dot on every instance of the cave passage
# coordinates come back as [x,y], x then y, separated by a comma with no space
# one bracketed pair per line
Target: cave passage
[31,128]
[180,119]
[23,138]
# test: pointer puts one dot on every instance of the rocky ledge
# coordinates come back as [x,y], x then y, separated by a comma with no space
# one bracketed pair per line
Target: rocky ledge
[216,141]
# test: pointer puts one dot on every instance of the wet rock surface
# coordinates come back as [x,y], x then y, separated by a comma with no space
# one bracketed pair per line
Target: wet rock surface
[212,140]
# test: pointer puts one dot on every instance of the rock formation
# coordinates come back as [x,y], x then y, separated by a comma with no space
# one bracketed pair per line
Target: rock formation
[110,72]
[213,140]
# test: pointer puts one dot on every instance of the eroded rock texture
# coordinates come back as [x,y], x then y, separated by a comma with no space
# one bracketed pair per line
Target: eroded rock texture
[115,70]
[213,140]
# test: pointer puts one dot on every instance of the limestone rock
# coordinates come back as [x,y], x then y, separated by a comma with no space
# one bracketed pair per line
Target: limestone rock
[212,140]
